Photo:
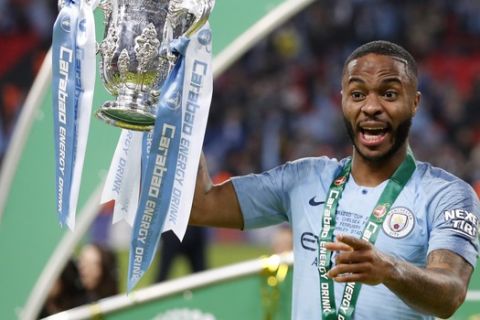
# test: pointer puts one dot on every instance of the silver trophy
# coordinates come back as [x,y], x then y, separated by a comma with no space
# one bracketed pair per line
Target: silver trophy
[136,55]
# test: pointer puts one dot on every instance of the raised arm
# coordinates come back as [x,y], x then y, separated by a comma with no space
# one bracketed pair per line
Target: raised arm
[214,205]
[438,289]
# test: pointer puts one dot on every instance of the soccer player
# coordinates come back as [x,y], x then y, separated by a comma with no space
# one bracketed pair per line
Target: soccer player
[377,235]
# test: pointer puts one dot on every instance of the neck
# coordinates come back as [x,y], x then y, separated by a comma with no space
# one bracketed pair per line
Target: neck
[371,173]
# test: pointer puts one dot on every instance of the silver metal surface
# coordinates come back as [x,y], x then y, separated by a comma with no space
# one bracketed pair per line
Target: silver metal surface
[136,54]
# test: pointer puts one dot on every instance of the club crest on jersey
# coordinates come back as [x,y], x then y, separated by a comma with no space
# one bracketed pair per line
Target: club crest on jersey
[462,221]
[339,181]
[380,211]
[399,222]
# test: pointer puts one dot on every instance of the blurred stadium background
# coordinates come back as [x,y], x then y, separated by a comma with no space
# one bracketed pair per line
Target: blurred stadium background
[278,102]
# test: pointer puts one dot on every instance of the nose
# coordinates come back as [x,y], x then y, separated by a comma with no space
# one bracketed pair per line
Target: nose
[372,106]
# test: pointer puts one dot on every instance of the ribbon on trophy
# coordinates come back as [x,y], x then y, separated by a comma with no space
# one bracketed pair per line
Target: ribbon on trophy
[73,70]
[168,182]
[123,179]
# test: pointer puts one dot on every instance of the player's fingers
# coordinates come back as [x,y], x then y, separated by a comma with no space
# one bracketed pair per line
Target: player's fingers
[351,277]
[355,243]
[350,257]
[344,270]
[337,246]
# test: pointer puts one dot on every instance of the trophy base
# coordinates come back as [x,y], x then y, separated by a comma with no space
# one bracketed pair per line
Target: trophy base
[126,118]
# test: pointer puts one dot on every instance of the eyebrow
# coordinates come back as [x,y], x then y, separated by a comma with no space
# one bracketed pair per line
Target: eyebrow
[355,79]
[386,80]
[392,79]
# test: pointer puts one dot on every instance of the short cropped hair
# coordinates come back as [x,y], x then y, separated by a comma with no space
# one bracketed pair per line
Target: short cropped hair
[385,48]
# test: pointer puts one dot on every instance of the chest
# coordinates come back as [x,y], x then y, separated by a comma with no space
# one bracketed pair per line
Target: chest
[403,234]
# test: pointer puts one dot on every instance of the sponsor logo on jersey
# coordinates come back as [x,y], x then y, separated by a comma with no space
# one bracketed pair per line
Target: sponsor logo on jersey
[462,221]
[339,181]
[315,203]
[380,211]
[309,241]
[399,222]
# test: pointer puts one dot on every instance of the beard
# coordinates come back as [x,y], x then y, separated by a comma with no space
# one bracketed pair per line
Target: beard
[400,136]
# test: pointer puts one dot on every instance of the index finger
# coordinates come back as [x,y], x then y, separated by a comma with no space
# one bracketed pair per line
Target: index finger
[337,246]
[355,243]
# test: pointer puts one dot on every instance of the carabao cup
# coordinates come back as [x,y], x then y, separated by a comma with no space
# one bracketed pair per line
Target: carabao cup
[136,54]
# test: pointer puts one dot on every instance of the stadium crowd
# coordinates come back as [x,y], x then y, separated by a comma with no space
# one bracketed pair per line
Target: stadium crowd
[25,36]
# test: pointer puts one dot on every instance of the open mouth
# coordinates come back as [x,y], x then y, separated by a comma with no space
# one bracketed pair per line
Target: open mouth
[373,136]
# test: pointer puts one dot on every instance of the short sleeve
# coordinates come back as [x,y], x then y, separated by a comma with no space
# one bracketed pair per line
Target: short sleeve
[262,197]
[265,198]
[456,221]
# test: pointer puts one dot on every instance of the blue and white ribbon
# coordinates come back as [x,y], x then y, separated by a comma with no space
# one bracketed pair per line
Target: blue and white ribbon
[73,70]
[169,180]
[146,145]
[123,179]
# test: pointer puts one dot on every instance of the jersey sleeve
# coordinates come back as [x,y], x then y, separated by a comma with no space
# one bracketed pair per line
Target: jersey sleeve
[456,221]
[262,197]
[265,198]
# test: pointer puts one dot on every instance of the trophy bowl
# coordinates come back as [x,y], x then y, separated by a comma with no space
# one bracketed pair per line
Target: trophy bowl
[136,54]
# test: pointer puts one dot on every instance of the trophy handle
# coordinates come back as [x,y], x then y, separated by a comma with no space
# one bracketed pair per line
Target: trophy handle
[106,7]
[201,19]
[193,7]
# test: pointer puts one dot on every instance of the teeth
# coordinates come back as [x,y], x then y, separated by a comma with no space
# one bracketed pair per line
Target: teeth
[373,129]
[371,137]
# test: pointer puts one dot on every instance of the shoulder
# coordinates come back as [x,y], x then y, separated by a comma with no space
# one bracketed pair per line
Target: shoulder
[311,168]
[452,209]
[438,179]
[297,172]
[305,172]
[442,186]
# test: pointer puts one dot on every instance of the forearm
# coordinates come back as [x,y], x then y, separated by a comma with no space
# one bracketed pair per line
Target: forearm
[202,187]
[438,289]
[432,290]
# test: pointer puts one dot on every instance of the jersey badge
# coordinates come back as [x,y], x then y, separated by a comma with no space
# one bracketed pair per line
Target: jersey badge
[399,222]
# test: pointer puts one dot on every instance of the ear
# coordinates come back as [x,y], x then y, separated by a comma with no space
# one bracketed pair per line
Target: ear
[416,102]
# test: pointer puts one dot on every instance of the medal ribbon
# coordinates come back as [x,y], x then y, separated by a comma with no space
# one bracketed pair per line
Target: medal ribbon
[350,294]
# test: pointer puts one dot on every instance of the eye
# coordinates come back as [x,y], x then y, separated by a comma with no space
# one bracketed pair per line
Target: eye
[357,95]
[390,95]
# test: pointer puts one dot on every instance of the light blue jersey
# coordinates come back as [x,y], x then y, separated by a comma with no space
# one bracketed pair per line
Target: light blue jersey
[435,210]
